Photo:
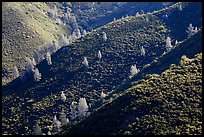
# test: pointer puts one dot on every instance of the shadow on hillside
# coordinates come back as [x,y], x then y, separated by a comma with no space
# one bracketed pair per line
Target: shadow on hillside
[189,47]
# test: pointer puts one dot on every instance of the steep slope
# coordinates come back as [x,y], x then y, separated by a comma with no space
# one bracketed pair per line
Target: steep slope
[175,18]
[91,15]
[40,101]
[166,104]
[25,27]
[67,73]
[194,46]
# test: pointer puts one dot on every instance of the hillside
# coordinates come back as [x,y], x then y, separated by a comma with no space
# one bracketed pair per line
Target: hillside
[91,15]
[25,27]
[194,46]
[172,102]
[24,104]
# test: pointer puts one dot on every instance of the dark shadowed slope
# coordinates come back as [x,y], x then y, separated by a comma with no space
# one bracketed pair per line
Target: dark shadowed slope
[121,50]
[165,104]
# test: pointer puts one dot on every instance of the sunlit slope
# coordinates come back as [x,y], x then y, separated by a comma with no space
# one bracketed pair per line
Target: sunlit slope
[25,27]
[166,104]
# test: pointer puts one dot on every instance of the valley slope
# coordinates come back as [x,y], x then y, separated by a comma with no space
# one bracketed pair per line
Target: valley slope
[32,101]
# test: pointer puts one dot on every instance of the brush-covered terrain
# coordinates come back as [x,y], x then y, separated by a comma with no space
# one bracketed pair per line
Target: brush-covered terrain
[194,46]
[24,104]
[165,104]
[91,15]
[25,27]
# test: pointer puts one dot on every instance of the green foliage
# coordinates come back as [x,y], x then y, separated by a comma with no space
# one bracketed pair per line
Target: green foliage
[167,104]
[119,52]
[91,16]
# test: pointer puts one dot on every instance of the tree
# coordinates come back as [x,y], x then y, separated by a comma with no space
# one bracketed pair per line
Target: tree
[34,62]
[195,30]
[56,124]
[85,62]
[82,108]
[180,6]
[99,55]
[103,95]
[37,75]
[190,30]
[15,72]
[49,133]
[29,65]
[63,40]
[41,53]
[36,56]
[63,97]
[142,51]
[168,44]
[77,33]
[55,11]
[63,118]
[73,21]
[84,32]
[133,71]
[114,19]
[137,14]
[37,130]
[73,108]
[104,36]
[48,58]
[67,16]
[147,19]
[176,42]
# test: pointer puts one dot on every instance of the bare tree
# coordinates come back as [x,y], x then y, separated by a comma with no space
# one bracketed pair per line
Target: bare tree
[73,108]
[63,40]
[29,65]
[85,62]
[49,133]
[48,58]
[168,44]
[37,130]
[99,55]
[15,72]
[64,119]
[63,97]
[37,75]
[133,71]
[36,56]
[176,42]
[137,14]
[56,124]
[142,51]
[84,32]
[180,6]
[191,31]
[103,95]
[104,36]
[76,33]
[82,108]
